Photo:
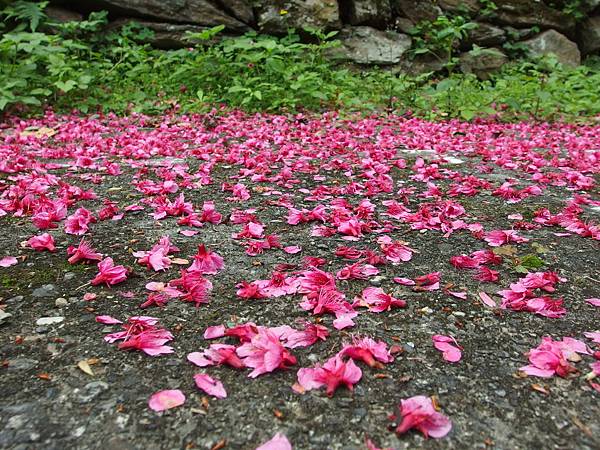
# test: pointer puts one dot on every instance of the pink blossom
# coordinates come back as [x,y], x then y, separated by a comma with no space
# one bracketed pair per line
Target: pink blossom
[450,349]
[265,353]
[367,350]
[395,251]
[84,251]
[109,273]
[334,373]
[42,242]
[157,257]
[278,442]
[78,223]
[553,357]
[497,238]
[193,287]
[215,355]
[419,412]
[378,301]
[357,271]
[163,400]
[206,262]
[210,385]
[307,337]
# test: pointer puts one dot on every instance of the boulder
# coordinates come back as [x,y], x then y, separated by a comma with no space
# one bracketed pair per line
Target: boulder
[240,9]
[196,12]
[165,35]
[277,16]
[526,13]
[458,6]
[416,10]
[552,42]
[375,13]
[366,45]
[589,35]
[486,35]
[482,62]
[61,15]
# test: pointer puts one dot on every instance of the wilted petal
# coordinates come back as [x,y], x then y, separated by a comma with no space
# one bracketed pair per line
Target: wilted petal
[163,400]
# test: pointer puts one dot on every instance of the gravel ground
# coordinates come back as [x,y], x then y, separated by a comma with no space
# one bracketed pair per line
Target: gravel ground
[48,402]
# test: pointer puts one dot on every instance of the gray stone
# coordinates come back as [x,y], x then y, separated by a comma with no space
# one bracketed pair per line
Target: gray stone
[552,42]
[49,320]
[15,299]
[21,364]
[61,15]
[486,35]
[277,19]
[482,62]
[69,276]
[60,301]
[46,290]
[366,45]
[589,35]
[375,13]
[4,316]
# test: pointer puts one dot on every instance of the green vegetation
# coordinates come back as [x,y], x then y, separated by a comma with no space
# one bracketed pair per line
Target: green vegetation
[73,66]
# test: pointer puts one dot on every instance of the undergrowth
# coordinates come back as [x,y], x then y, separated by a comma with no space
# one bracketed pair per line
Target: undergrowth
[74,66]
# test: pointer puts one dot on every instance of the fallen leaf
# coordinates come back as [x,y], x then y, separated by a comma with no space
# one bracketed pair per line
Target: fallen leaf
[540,388]
[85,367]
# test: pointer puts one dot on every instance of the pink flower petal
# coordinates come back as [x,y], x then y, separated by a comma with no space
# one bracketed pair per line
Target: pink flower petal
[292,249]
[278,442]
[8,261]
[487,300]
[107,320]
[163,400]
[189,233]
[210,385]
[593,301]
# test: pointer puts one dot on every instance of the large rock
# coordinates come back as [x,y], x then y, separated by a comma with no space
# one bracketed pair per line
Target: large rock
[375,13]
[589,35]
[486,35]
[240,9]
[196,12]
[277,16]
[458,6]
[416,10]
[165,35]
[552,42]
[366,45]
[482,62]
[525,13]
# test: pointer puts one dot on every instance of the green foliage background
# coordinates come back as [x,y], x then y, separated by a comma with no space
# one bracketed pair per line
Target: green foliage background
[74,66]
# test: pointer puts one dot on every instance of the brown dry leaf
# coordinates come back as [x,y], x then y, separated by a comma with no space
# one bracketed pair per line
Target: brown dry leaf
[85,367]
[179,261]
[540,388]
[436,402]
[583,427]
[44,376]
[38,132]
[278,414]
[382,375]
[219,445]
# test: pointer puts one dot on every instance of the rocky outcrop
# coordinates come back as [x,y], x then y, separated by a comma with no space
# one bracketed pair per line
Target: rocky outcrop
[552,42]
[372,31]
[527,13]
[366,45]
[276,17]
